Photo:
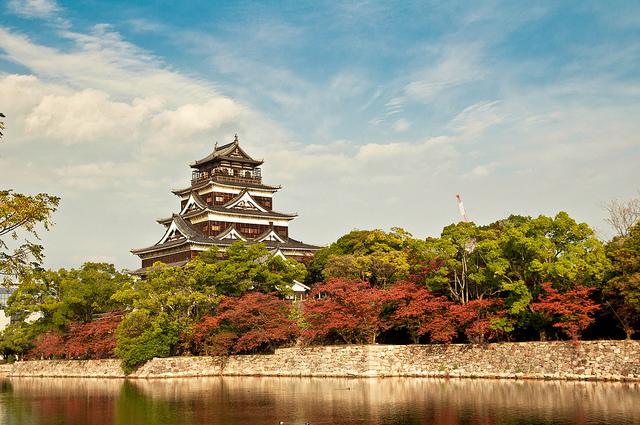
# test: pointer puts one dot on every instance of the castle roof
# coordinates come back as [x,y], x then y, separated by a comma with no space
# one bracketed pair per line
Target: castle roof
[234,176]
[229,152]
[180,233]
[221,181]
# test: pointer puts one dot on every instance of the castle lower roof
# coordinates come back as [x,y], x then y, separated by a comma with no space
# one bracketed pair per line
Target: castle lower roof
[189,234]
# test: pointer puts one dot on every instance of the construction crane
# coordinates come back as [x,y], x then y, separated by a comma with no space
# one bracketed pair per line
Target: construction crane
[470,245]
[461,208]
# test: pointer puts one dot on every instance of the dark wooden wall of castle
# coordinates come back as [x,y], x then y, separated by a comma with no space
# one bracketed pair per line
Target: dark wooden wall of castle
[213,228]
[219,198]
[170,258]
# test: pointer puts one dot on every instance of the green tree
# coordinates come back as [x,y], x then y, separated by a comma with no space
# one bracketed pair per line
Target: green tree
[172,299]
[175,295]
[621,291]
[375,256]
[18,338]
[20,216]
[49,300]
[142,336]
[509,259]
[252,267]
[63,296]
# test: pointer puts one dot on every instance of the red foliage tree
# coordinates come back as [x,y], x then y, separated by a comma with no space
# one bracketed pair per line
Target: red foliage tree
[422,313]
[254,322]
[423,269]
[351,311]
[48,345]
[571,311]
[93,340]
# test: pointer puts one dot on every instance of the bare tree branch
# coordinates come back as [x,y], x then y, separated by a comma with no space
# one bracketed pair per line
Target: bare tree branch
[623,215]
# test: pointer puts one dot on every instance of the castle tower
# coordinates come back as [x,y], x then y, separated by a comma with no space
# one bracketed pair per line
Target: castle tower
[225,202]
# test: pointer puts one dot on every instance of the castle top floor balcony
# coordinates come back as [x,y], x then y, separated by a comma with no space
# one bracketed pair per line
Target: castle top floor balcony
[228,174]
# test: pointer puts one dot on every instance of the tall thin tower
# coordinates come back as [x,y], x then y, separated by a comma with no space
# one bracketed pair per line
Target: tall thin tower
[463,213]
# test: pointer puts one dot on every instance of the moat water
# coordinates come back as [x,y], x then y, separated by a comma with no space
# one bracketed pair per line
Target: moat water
[269,401]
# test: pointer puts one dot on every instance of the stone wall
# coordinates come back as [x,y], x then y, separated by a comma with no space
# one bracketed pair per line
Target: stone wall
[108,368]
[594,360]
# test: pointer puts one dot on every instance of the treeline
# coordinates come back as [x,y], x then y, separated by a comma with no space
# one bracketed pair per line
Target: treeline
[517,279]
[536,278]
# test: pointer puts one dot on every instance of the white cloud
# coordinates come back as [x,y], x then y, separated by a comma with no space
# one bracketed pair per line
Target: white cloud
[83,116]
[481,170]
[191,118]
[97,175]
[33,8]
[110,127]
[477,118]
[455,65]
[145,25]
[401,125]
[102,60]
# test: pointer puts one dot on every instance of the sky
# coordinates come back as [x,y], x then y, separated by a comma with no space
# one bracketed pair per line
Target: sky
[369,114]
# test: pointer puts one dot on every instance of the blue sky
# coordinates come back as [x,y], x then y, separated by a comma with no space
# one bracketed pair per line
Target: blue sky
[370,114]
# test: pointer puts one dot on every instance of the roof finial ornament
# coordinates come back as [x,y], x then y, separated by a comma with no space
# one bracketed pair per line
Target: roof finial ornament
[235,139]
[215,147]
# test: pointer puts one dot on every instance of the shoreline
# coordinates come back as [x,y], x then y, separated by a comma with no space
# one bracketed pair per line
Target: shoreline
[605,361]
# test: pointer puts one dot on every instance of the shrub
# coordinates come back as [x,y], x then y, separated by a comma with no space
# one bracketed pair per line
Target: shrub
[141,337]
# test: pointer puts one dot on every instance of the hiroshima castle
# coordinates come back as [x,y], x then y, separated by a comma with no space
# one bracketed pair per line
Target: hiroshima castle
[225,203]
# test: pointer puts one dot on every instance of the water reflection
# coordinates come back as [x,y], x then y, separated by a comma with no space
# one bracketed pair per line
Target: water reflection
[253,400]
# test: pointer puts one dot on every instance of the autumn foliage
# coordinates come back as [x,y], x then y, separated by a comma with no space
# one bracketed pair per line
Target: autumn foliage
[254,322]
[422,313]
[345,311]
[354,312]
[48,345]
[338,311]
[571,311]
[91,340]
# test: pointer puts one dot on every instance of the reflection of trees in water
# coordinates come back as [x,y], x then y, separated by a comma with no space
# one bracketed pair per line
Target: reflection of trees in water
[241,400]
[59,401]
[134,407]
[407,400]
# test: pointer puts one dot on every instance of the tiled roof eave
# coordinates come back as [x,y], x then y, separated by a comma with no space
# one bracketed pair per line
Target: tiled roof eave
[205,161]
[240,212]
[237,185]
[173,244]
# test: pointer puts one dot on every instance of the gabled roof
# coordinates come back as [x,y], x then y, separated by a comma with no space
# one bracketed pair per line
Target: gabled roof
[230,233]
[178,233]
[194,201]
[245,201]
[299,286]
[231,152]
[270,235]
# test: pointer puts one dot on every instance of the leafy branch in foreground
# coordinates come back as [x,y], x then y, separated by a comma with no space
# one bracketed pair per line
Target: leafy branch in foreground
[21,214]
